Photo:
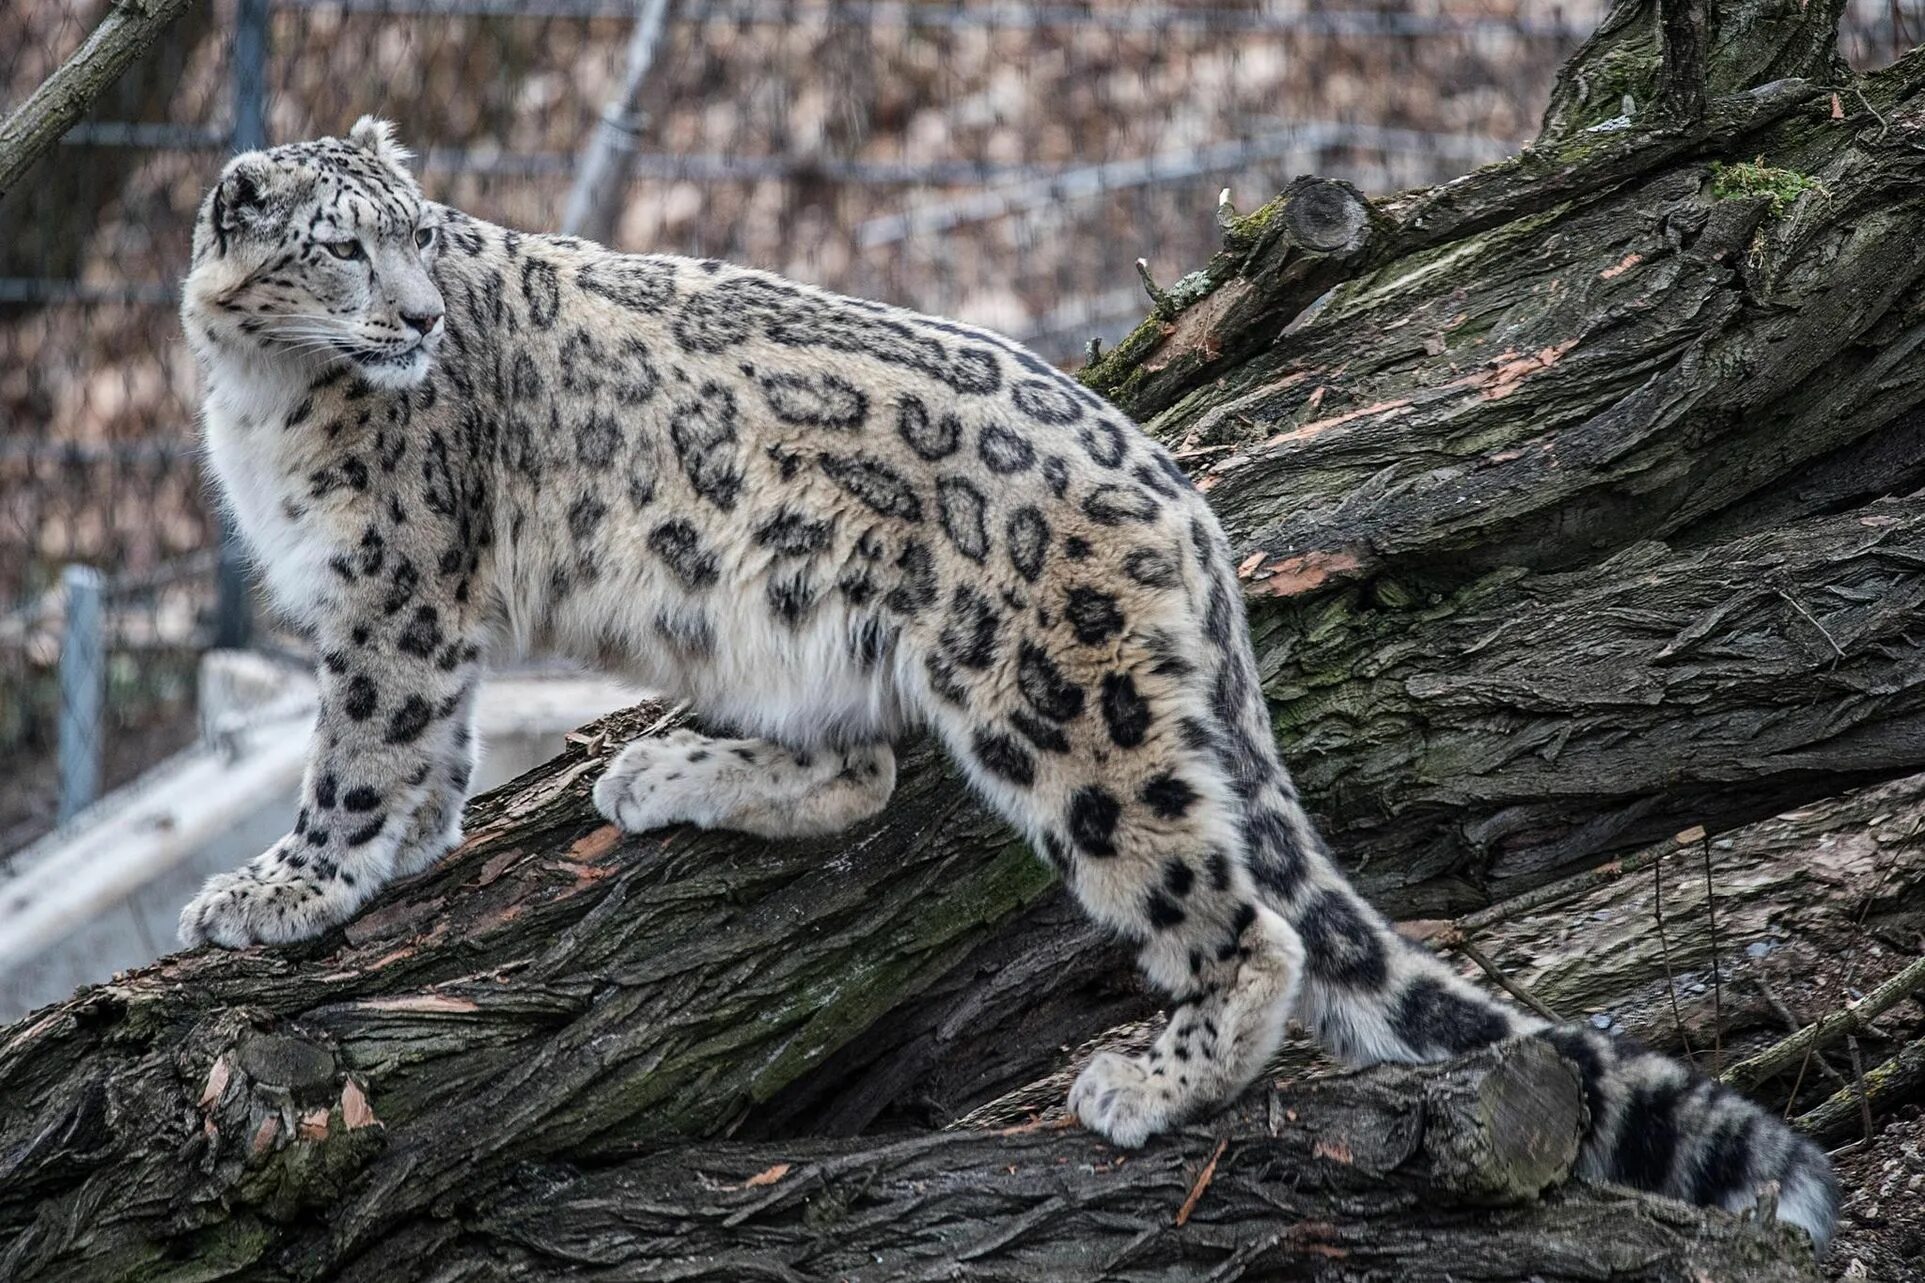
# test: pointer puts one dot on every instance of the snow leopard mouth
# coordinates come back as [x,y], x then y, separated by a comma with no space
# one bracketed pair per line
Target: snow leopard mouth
[377,357]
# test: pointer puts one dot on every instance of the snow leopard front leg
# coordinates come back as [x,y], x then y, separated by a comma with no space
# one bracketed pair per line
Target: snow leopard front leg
[749,785]
[395,685]
[435,827]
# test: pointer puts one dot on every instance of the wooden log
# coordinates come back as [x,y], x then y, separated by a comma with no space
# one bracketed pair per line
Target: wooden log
[554,998]
[1428,1174]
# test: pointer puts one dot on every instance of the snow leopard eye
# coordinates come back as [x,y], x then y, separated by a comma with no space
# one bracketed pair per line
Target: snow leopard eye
[423,237]
[346,251]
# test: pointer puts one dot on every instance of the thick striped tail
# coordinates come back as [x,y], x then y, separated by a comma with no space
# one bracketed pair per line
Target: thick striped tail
[1371,996]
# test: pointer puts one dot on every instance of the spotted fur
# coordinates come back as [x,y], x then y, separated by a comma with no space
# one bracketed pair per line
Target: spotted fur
[826,523]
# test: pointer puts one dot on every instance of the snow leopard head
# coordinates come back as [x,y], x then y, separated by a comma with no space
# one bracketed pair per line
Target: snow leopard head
[318,253]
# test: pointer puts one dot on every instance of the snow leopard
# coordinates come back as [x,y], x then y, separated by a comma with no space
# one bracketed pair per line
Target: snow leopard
[824,524]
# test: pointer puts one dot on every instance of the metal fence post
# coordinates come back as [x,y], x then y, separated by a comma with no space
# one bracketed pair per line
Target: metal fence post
[232,616]
[249,55]
[83,679]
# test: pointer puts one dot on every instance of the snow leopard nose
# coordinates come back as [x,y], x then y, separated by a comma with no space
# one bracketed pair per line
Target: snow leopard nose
[422,322]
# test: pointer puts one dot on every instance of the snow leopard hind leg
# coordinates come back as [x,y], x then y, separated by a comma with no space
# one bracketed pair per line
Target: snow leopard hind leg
[1092,738]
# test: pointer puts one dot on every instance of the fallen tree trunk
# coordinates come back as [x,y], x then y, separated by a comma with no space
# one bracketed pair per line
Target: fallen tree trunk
[1435,1173]
[1438,1174]
[1541,719]
[1491,560]
[1711,949]
[556,998]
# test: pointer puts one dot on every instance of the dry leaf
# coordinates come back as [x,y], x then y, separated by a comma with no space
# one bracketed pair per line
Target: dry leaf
[1837,108]
[355,1111]
[1424,929]
[264,1134]
[1337,1150]
[589,744]
[767,1176]
[1691,835]
[216,1082]
[314,1125]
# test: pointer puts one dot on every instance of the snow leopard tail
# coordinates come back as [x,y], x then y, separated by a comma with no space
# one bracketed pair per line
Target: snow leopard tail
[1372,996]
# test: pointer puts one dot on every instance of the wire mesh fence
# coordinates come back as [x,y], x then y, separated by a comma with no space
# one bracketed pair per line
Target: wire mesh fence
[1005,163]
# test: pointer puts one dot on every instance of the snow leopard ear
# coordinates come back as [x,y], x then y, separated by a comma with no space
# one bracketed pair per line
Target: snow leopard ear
[240,201]
[370,133]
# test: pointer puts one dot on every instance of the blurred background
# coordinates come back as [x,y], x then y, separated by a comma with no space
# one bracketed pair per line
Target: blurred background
[1001,162]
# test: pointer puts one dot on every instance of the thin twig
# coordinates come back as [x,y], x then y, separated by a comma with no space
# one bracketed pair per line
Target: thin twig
[1791,1097]
[1799,607]
[1822,1033]
[1717,983]
[1793,1023]
[1851,969]
[1203,1180]
[1508,985]
[1892,1083]
[1798,1081]
[1664,948]
[1884,126]
[1858,1085]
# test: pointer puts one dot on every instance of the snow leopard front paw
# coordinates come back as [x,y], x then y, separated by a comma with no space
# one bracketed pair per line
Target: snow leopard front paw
[1119,1096]
[269,901]
[434,832]
[656,782]
[421,855]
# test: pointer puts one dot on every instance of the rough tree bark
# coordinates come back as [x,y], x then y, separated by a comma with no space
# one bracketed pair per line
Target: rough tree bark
[1563,493]
[492,1068]
[1486,1137]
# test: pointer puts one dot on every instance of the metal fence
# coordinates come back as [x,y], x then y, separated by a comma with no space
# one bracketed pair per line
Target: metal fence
[998,161]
